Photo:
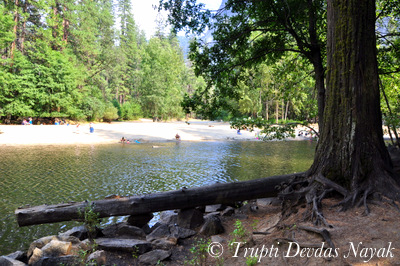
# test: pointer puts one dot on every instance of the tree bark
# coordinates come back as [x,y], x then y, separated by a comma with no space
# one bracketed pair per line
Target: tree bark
[351,150]
[16,20]
[179,199]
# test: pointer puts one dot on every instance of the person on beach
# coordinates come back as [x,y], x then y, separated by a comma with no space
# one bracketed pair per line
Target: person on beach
[177,137]
[123,140]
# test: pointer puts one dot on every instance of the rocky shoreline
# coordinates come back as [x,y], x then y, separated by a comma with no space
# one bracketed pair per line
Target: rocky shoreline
[131,242]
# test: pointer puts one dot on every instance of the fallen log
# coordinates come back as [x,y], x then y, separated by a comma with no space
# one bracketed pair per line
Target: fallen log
[225,193]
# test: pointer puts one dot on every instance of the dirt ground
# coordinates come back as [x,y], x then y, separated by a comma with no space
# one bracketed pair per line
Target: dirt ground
[355,237]
[358,239]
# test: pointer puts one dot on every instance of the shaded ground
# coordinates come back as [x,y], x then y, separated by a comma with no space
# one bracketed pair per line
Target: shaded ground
[354,235]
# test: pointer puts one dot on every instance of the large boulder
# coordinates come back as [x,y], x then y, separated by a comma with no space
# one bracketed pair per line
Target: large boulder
[7,261]
[190,218]
[161,231]
[97,258]
[18,255]
[153,257]
[170,230]
[212,226]
[79,232]
[168,217]
[57,248]
[123,230]
[63,260]
[124,245]
[39,243]
[179,232]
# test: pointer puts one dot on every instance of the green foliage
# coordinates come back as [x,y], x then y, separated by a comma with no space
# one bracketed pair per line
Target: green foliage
[131,111]
[250,261]
[200,252]
[162,74]
[68,60]
[6,24]
[239,234]
[269,130]
[110,113]
[90,219]
[83,254]
[237,63]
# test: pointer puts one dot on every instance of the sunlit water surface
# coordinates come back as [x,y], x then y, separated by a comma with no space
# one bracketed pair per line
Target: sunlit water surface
[37,175]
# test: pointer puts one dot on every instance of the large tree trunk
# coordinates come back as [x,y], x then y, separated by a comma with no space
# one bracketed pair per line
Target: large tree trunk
[315,58]
[179,199]
[351,150]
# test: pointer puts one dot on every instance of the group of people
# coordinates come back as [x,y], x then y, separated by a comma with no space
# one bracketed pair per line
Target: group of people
[124,140]
[29,122]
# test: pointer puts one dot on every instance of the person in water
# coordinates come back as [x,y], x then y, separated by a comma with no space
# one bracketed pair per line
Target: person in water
[177,137]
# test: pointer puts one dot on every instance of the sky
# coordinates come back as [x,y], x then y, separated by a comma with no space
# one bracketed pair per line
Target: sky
[145,15]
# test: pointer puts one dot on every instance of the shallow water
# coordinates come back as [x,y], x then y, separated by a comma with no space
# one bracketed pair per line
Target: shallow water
[38,175]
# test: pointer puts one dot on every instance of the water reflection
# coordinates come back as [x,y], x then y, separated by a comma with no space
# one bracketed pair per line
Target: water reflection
[38,175]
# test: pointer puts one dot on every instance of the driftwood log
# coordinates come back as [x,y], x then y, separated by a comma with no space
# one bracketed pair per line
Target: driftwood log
[219,193]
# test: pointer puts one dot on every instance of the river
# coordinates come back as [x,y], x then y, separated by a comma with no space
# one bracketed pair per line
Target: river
[35,175]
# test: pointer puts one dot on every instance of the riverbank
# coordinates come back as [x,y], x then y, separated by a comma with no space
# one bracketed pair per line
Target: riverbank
[142,131]
[105,133]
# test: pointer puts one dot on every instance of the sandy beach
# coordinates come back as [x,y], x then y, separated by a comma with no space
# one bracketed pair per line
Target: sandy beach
[143,131]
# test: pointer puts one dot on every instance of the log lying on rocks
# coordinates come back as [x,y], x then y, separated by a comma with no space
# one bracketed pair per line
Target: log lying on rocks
[226,193]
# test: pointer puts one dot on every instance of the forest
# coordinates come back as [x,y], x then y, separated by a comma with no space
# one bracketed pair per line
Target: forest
[88,60]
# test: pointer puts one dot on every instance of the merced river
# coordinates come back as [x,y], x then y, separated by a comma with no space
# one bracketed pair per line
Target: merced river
[36,175]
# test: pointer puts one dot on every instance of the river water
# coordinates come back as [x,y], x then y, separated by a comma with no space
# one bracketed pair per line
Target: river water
[36,175]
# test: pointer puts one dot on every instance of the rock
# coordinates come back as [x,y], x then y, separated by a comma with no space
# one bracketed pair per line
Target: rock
[264,202]
[124,245]
[7,261]
[140,220]
[179,232]
[190,218]
[63,260]
[123,230]
[18,255]
[154,257]
[164,243]
[146,228]
[79,232]
[37,254]
[248,208]
[174,231]
[212,226]
[229,211]
[74,240]
[214,208]
[57,248]
[97,258]
[217,239]
[39,243]
[160,232]
[168,217]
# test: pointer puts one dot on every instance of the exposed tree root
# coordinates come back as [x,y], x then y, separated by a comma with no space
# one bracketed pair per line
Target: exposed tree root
[314,189]
[323,232]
